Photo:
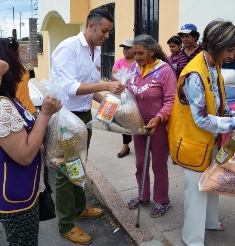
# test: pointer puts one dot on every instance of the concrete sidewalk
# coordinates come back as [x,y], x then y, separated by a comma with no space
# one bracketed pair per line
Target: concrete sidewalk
[113,181]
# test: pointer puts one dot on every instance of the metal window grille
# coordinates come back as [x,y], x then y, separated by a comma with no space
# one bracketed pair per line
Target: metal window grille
[40,44]
[108,49]
[147,17]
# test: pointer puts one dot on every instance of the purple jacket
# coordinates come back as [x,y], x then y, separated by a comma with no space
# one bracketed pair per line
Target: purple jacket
[183,59]
[154,93]
[19,184]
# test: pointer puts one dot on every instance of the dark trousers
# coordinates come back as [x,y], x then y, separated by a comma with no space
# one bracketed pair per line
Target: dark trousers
[70,198]
[126,138]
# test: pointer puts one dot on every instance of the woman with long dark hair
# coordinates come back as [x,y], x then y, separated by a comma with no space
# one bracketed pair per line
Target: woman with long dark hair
[20,159]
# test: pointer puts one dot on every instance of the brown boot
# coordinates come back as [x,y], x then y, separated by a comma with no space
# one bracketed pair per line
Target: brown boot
[76,235]
[90,213]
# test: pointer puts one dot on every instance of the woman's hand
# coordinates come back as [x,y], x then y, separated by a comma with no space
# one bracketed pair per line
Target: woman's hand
[153,123]
[50,106]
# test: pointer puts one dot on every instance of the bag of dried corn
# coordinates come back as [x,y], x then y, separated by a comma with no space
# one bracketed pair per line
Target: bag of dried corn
[119,113]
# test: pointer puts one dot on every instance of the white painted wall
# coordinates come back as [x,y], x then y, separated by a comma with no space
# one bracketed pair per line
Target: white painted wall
[50,6]
[201,12]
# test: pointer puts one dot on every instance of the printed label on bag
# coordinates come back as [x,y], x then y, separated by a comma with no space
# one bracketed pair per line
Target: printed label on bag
[108,109]
[75,169]
[221,156]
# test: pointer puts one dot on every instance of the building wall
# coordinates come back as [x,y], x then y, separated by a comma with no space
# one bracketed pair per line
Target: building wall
[124,21]
[24,51]
[168,22]
[42,71]
[78,11]
[65,18]
[202,12]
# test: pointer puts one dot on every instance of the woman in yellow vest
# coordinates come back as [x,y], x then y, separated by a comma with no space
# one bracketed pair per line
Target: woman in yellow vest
[22,92]
[199,116]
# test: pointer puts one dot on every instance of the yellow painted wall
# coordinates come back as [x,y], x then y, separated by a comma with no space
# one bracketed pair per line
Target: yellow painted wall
[42,71]
[124,21]
[97,3]
[168,22]
[124,24]
[79,10]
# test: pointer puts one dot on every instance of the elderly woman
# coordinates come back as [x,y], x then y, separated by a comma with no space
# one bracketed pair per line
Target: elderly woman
[154,89]
[189,35]
[197,118]
[20,161]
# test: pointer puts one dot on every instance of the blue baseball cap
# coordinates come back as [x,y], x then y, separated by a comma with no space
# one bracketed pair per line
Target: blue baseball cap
[187,28]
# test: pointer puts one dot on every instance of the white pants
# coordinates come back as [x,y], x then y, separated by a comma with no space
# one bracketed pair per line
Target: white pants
[201,209]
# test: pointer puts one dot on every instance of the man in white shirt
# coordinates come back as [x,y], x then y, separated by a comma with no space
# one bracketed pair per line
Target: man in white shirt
[77,60]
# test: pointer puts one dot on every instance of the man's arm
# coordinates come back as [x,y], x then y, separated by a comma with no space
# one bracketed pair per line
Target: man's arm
[114,87]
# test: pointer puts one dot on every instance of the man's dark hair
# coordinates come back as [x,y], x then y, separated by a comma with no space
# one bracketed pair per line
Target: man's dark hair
[97,14]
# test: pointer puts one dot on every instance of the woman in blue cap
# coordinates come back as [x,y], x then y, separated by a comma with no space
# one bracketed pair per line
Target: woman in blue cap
[191,48]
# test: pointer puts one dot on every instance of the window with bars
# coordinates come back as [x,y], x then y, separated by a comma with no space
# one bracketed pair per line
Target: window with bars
[146,17]
[108,49]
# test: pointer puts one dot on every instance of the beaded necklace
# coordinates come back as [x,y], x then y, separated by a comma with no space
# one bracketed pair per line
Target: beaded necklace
[208,68]
[210,80]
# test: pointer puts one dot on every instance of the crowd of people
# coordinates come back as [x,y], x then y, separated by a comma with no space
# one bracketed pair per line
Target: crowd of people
[181,99]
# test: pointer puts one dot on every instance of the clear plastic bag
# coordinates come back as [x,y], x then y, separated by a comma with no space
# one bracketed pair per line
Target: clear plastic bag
[119,113]
[219,179]
[52,152]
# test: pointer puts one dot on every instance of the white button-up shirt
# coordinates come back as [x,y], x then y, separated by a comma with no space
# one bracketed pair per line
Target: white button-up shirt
[72,60]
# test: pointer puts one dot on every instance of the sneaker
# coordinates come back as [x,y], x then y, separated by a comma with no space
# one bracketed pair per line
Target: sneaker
[76,235]
[134,203]
[159,209]
[90,213]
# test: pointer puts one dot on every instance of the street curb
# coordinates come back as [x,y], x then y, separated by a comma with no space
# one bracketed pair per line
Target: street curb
[109,197]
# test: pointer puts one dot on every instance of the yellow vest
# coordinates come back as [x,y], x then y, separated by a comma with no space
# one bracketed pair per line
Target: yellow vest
[191,146]
[22,92]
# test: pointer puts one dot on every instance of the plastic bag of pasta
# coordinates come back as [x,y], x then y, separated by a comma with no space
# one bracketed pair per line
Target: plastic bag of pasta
[119,113]
[70,155]
[219,179]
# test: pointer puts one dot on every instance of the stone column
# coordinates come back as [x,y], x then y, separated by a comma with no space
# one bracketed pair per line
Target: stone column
[33,42]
